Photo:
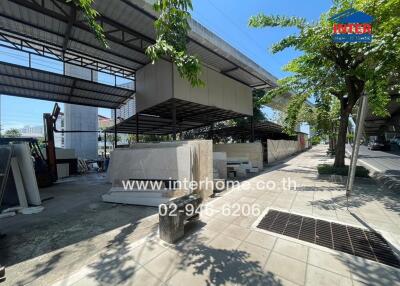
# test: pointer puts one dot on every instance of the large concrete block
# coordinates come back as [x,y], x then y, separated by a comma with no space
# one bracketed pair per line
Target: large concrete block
[201,158]
[203,166]
[150,163]
[220,164]
[250,151]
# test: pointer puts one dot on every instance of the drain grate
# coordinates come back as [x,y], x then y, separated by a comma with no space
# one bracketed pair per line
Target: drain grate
[356,241]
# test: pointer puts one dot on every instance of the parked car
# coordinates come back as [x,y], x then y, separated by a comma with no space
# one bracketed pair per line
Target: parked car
[396,141]
[379,145]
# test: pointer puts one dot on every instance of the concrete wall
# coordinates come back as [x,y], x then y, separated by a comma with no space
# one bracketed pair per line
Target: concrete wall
[252,151]
[200,159]
[220,91]
[78,117]
[220,164]
[281,149]
[159,82]
[153,84]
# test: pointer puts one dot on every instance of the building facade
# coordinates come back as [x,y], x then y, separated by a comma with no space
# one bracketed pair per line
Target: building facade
[32,131]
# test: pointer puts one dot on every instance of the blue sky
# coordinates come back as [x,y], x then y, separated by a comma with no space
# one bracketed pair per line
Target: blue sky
[226,18]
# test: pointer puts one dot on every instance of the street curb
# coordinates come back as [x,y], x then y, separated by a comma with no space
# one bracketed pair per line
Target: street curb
[387,181]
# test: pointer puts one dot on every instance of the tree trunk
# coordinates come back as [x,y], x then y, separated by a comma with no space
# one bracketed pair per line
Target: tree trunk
[341,140]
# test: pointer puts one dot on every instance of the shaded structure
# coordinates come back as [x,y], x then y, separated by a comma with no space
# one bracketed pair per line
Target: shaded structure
[262,131]
[188,116]
[166,104]
[58,30]
[38,84]
[378,126]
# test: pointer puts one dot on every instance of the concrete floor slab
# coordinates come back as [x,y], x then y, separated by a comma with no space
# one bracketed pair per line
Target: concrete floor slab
[163,266]
[261,239]
[292,249]
[236,232]
[140,277]
[321,277]
[286,267]
[223,241]
[328,261]
[255,253]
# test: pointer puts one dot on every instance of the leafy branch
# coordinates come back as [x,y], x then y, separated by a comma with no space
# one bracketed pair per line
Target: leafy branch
[172,28]
[91,15]
[261,21]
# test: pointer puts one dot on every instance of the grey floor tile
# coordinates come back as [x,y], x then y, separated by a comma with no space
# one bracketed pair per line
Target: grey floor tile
[286,267]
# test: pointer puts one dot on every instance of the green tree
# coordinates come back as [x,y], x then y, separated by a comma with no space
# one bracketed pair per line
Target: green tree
[91,15]
[341,70]
[172,27]
[13,132]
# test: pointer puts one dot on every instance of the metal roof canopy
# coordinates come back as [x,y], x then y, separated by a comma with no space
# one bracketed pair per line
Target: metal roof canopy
[129,29]
[32,83]
[151,125]
[158,120]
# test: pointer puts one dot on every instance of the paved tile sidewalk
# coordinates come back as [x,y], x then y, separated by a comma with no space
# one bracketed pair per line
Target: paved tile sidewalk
[228,250]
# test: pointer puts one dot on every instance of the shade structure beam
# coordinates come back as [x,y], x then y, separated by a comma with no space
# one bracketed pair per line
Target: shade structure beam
[42,8]
[50,52]
[32,83]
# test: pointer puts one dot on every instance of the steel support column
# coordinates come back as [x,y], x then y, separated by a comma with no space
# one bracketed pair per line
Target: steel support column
[115,129]
[137,127]
[252,129]
[105,145]
[173,111]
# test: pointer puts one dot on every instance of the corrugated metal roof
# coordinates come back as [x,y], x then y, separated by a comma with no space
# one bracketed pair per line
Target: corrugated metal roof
[151,125]
[32,83]
[189,115]
[129,30]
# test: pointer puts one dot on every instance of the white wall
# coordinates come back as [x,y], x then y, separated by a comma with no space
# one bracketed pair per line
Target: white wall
[159,82]
[153,84]
[220,91]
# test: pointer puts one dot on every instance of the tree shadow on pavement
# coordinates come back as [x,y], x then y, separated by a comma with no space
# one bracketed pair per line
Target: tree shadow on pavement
[369,272]
[360,197]
[221,266]
[117,263]
[41,269]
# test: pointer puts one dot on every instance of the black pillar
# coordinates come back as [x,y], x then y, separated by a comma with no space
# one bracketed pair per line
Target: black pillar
[211,131]
[252,129]
[137,127]
[105,144]
[173,110]
[115,129]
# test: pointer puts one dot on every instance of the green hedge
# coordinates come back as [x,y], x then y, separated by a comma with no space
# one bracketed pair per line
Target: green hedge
[325,169]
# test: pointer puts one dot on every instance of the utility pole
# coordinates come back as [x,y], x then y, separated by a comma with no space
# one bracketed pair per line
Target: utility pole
[0,117]
[362,111]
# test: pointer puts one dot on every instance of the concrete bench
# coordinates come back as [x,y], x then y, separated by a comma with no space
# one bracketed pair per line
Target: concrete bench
[175,214]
